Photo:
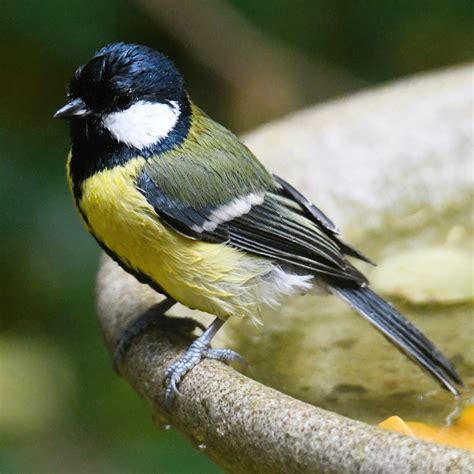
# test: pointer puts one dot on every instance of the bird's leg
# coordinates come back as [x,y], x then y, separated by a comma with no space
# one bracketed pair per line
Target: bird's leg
[135,327]
[197,351]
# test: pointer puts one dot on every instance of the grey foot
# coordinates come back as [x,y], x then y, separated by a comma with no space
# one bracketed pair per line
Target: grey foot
[193,356]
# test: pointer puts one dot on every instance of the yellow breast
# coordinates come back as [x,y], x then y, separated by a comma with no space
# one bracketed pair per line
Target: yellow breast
[206,276]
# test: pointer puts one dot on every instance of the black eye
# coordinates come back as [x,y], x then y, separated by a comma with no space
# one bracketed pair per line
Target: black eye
[124,100]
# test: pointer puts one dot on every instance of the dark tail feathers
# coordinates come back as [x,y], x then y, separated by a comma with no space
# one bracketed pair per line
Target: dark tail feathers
[401,333]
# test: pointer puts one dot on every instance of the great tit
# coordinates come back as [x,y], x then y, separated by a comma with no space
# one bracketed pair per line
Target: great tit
[179,202]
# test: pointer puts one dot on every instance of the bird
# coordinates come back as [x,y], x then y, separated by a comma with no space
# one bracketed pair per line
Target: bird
[178,201]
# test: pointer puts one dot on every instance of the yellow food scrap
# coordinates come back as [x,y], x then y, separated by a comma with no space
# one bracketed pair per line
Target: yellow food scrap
[415,275]
[460,434]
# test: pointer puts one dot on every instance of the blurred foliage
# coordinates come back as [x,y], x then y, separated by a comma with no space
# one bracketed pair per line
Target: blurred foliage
[373,40]
[50,345]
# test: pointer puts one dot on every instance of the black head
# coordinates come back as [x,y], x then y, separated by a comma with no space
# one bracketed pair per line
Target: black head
[118,76]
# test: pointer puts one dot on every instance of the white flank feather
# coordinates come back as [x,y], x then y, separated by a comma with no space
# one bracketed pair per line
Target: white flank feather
[269,284]
[281,283]
[143,124]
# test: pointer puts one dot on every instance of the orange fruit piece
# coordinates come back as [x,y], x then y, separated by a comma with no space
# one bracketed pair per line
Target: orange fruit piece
[460,434]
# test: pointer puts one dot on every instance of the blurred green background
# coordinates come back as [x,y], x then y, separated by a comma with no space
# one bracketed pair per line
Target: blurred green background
[62,408]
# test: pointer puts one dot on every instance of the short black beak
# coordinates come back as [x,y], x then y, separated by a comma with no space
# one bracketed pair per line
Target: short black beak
[75,108]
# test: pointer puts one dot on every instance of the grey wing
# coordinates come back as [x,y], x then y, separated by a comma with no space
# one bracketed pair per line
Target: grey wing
[272,223]
[314,213]
[279,228]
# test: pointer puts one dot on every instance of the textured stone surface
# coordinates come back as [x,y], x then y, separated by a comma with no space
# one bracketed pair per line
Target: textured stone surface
[409,144]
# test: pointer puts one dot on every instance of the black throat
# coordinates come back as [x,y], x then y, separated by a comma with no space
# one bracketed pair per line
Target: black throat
[94,149]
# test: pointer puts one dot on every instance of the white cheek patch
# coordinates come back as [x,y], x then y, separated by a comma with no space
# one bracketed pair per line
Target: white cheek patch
[143,124]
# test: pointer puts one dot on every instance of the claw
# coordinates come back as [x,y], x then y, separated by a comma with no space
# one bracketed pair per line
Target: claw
[227,356]
[175,387]
[171,390]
